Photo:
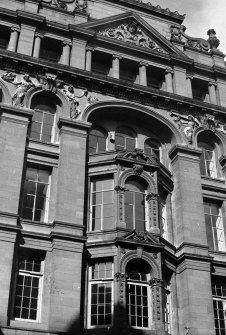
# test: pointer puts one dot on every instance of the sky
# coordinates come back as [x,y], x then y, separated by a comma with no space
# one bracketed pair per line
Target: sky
[201,15]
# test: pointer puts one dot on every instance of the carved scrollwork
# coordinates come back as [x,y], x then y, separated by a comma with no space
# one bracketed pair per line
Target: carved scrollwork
[131,33]
[120,276]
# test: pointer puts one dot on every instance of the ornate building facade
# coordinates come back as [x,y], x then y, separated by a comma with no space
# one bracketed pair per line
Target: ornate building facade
[113,163]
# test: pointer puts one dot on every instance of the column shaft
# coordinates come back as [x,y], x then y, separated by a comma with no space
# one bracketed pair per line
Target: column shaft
[143,74]
[212,92]
[116,67]
[13,39]
[189,86]
[169,80]
[88,59]
[37,46]
[65,59]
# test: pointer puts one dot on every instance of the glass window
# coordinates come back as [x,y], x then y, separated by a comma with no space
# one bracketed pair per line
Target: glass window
[97,141]
[219,304]
[138,300]
[102,203]
[135,204]
[207,160]
[100,306]
[28,291]
[214,226]
[124,139]
[35,195]
[152,148]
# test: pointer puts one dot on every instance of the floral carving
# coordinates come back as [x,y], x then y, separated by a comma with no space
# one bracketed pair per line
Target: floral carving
[131,33]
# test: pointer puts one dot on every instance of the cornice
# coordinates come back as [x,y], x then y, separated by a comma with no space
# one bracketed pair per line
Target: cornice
[22,112]
[30,17]
[146,96]
[156,11]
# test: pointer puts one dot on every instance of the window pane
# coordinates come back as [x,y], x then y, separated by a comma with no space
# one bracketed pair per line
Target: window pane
[130,144]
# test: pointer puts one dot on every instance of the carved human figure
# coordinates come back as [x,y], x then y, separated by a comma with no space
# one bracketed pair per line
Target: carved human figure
[189,126]
[22,87]
[72,98]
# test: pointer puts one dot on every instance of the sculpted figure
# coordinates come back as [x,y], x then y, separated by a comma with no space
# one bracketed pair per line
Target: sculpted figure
[73,99]
[22,87]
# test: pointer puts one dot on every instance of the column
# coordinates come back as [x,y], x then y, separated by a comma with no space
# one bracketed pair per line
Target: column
[189,78]
[120,193]
[143,73]
[169,79]
[13,39]
[65,59]
[37,45]
[13,129]
[116,66]
[152,200]
[89,52]
[120,308]
[212,92]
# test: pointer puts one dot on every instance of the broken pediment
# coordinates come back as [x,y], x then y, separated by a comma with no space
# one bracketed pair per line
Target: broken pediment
[141,236]
[137,156]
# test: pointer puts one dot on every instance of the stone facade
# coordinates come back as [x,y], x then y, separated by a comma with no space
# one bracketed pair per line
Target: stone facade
[112,177]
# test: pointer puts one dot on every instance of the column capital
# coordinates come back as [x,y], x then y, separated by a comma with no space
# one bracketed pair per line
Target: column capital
[38,34]
[120,276]
[116,56]
[189,76]
[212,83]
[90,49]
[67,42]
[142,63]
[151,196]
[119,188]
[169,70]
[15,28]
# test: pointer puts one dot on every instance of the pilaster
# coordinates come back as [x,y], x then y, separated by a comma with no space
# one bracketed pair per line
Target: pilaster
[71,171]
[78,53]
[179,81]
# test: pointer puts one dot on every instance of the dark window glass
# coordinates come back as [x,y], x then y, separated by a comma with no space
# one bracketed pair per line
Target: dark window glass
[124,139]
[97,141]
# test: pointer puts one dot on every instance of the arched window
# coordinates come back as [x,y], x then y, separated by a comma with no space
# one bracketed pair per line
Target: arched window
[44,118]
[152,148]
[125,139]
[138,297]
[136,212]
[97,141]
[208,166]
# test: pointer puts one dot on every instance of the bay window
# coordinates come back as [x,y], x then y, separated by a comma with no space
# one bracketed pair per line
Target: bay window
[219,304]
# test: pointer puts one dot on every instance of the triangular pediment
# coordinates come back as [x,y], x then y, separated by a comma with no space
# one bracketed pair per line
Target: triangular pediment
[129,28]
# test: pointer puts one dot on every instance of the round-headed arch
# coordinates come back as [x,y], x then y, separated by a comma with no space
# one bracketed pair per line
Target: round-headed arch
[150,116]
[155,271]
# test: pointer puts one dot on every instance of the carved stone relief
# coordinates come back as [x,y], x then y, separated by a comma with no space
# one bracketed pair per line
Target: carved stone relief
[73,99]
[131,33]
[70,5]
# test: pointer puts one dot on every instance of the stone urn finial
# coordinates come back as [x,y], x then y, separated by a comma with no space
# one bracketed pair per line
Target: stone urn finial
[213,40]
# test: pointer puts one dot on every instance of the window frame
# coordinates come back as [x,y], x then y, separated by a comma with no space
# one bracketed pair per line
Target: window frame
[125,137]
[216,300]
[32,274]
[46,199]
[92,205]
[103,132]
[53,130]
[213,229]
[91,282]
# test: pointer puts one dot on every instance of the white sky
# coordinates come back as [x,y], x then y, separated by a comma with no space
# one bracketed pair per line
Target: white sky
[201,15]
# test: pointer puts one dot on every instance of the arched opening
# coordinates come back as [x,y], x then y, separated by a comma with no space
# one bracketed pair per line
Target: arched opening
[125,139]
[138,297]
[46,107]
[97,140]
[136,209]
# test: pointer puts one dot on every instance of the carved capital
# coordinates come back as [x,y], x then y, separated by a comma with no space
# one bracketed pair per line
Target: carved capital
[212,83]
[115,56]
[119,188]
[40,35]
[91,49]
[189,76]
[120,276]
[142,63]
[155,282]
[15,28]
[151,196]
[66,42]
[169,70]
